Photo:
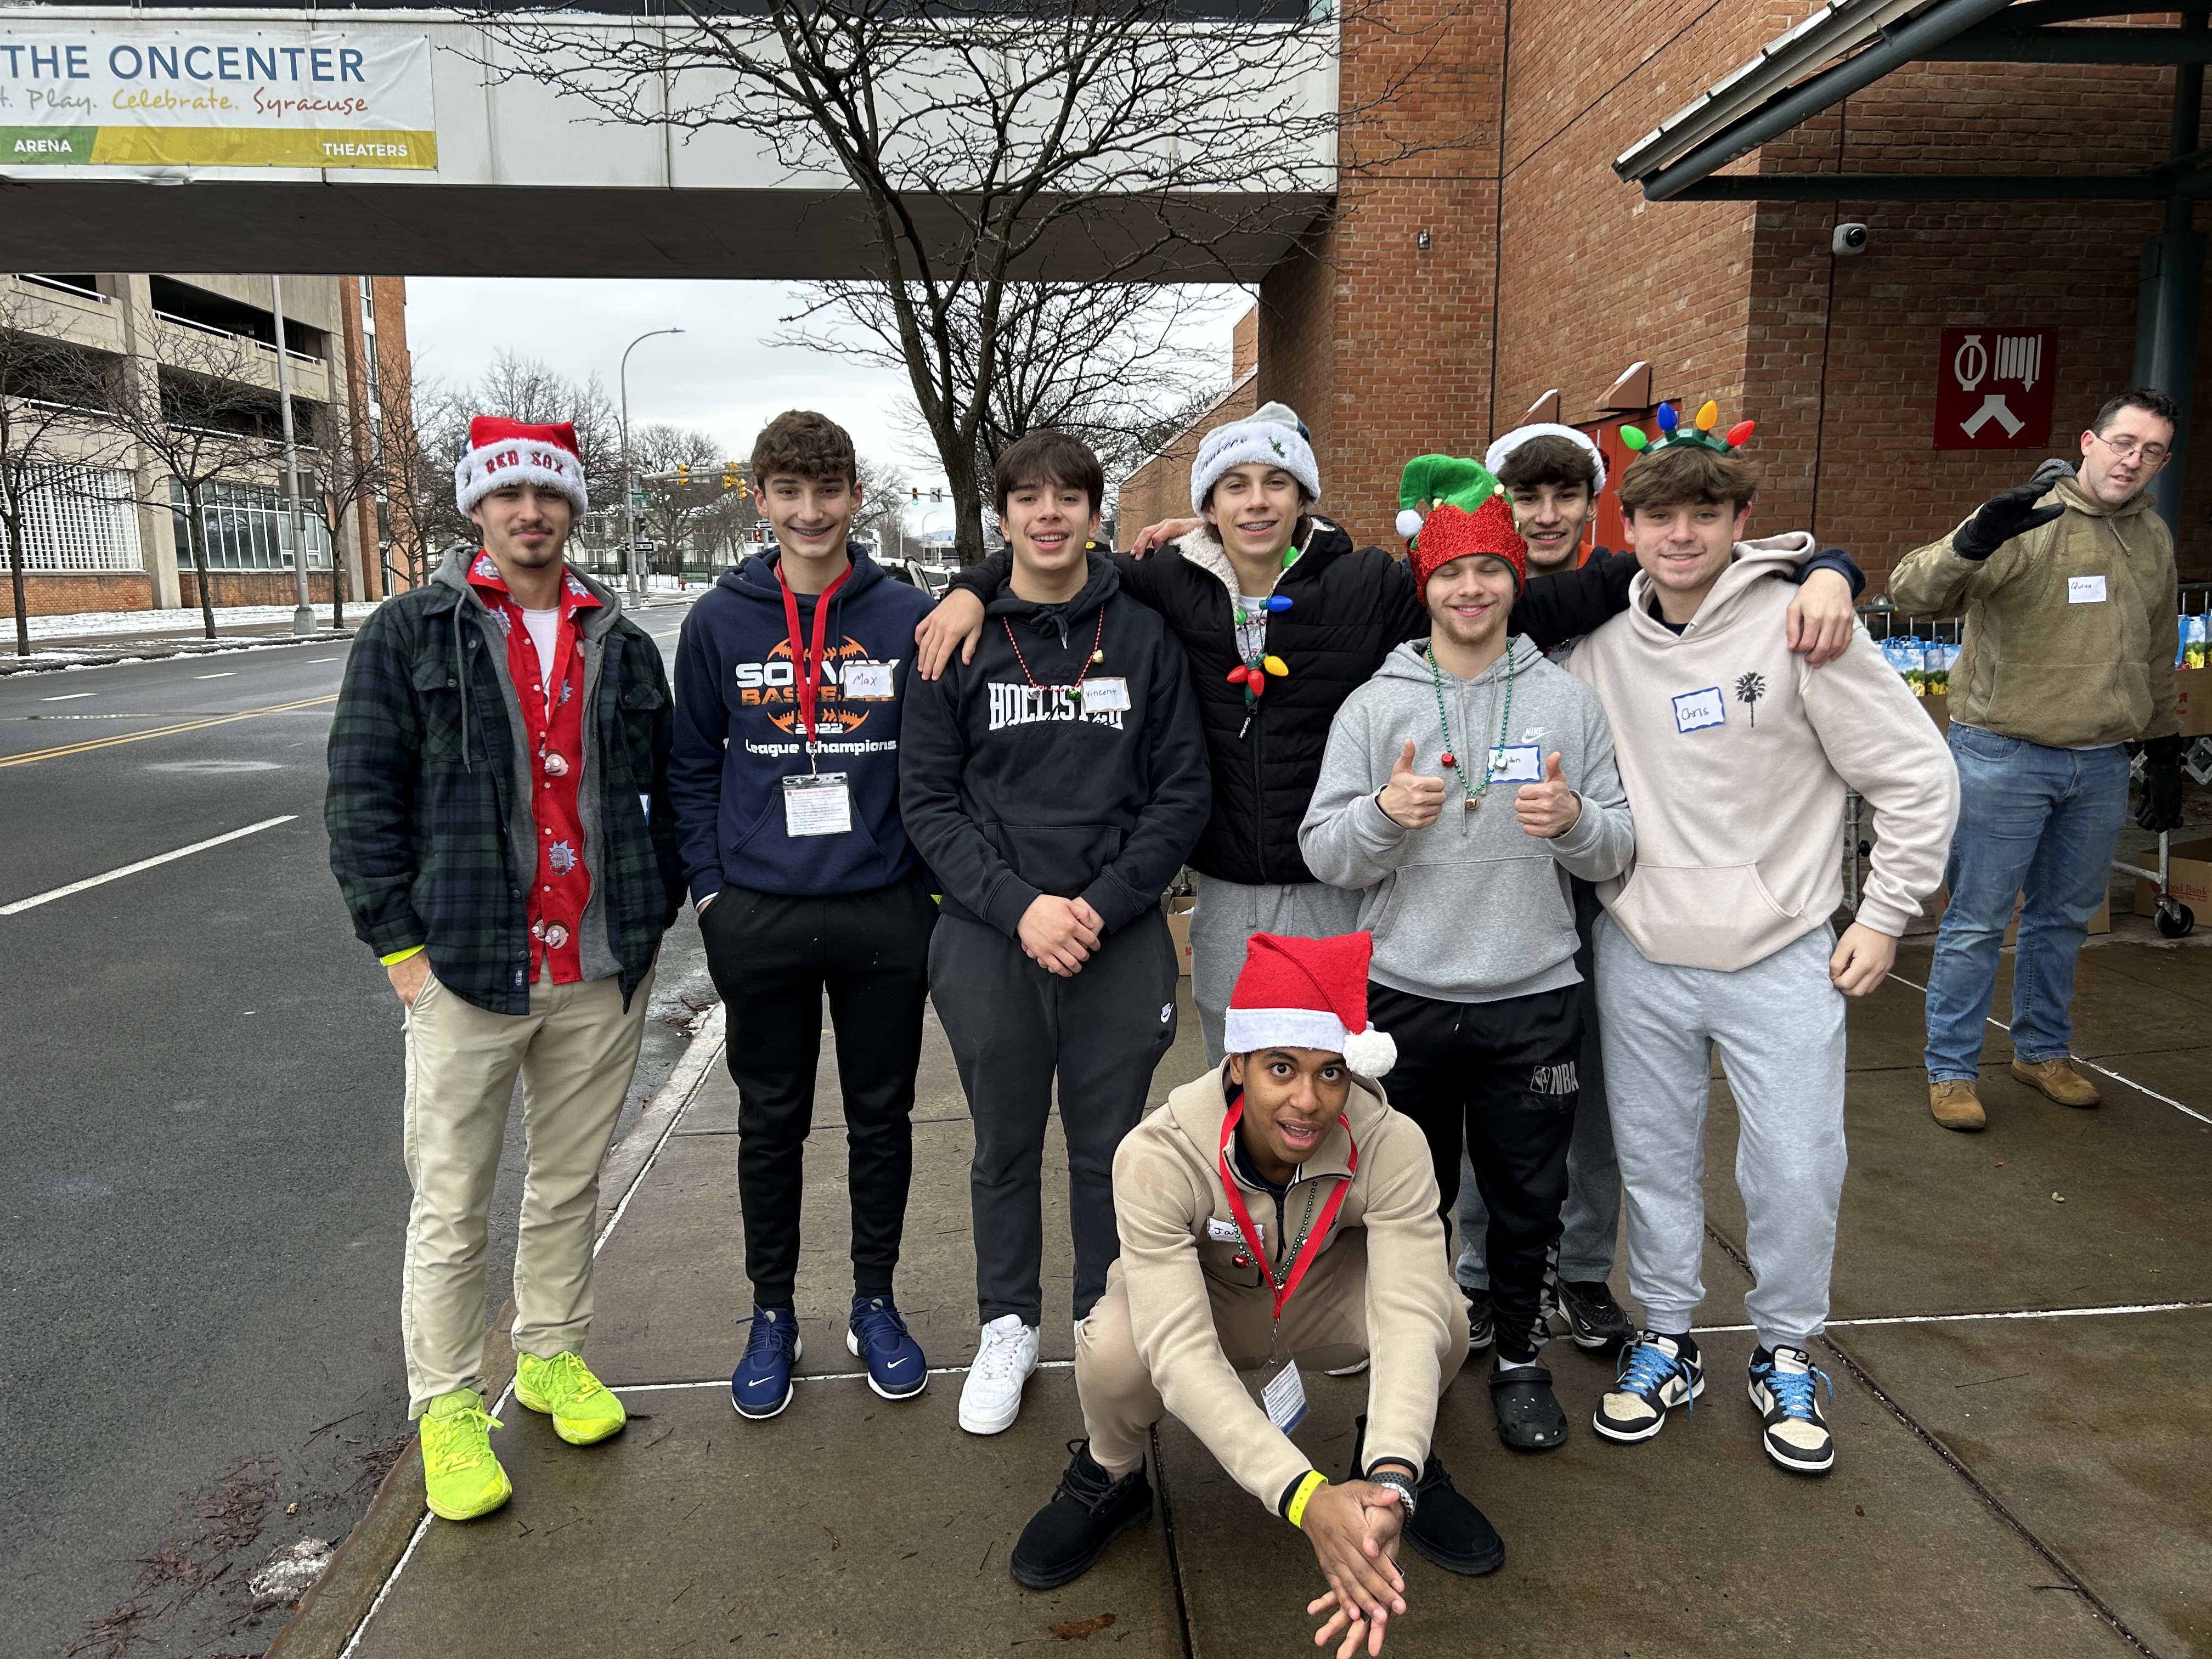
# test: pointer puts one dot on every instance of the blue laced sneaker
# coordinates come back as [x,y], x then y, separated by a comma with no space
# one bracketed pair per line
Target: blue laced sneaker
[1654,1375]
[896,1370]
[761,1385]
[1785,1388]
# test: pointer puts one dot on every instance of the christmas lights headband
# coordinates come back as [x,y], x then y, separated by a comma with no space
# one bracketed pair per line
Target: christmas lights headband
[1701,436]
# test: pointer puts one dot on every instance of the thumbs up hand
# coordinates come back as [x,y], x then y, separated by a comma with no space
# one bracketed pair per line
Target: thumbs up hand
[1410,799]
[1549,809]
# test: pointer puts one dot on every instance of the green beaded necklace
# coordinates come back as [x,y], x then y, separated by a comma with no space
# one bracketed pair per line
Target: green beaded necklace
[1474,793]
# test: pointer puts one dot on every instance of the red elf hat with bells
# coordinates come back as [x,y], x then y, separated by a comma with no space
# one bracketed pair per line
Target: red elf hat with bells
[1307,994]
[503,454]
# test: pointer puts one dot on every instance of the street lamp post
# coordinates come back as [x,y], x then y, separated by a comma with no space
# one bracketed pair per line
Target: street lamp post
[303,613]
[631,561]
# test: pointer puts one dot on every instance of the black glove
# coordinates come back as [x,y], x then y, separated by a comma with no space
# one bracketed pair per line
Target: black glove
[2160,808]
[2007,513]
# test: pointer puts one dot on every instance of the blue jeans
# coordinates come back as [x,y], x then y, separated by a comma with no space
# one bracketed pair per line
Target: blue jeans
[2034,821]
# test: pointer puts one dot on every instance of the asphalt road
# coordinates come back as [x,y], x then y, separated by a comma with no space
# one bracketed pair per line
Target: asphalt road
[203,1188]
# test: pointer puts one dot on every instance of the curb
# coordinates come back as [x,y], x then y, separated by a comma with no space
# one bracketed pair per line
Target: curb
[334,1609]
[153,651]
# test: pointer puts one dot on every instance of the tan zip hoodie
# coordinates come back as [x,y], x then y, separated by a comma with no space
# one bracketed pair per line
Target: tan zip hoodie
[1737,757]
[1167,1190]
[2069,629]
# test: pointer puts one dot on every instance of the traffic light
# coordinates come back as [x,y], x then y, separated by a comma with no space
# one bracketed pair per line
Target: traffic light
[683,472]
[917,493]
[745,489]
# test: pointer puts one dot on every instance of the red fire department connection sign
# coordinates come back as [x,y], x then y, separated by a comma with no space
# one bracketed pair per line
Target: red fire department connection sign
[1993,386]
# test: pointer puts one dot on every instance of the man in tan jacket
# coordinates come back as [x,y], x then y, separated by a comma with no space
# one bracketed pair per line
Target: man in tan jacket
[1735,758]
[2067,586]
[1276,1213]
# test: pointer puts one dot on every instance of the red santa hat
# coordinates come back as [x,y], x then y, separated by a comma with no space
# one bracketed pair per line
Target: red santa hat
[1308,993]
[1452,532]
[503,454]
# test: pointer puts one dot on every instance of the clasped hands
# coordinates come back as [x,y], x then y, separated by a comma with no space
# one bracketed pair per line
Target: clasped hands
[1060,934]
[1354,1529]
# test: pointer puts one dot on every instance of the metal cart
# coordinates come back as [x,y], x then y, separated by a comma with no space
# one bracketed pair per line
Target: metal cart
[2174,919]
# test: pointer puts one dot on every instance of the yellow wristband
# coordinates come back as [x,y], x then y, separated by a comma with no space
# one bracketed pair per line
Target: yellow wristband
[397,957]
[1296,1515]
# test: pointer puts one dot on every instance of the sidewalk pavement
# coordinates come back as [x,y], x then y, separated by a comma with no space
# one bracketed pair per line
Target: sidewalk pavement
[2017,1363]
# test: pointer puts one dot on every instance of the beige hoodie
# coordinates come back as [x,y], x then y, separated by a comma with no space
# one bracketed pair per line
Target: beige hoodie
[1737,757]
[1167,1190]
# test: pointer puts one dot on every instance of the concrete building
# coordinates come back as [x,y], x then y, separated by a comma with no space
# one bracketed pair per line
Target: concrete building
[114,535]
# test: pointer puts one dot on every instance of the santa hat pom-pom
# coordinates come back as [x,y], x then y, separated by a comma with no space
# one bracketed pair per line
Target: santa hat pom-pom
[1409,523]
[1370,1053]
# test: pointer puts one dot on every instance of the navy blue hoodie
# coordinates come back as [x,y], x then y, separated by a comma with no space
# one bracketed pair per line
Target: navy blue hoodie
[737,734]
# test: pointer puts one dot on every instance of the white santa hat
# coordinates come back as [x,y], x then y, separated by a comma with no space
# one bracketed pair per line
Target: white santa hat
[1307,994]
[503,454]
[1272,435]
[1494,457]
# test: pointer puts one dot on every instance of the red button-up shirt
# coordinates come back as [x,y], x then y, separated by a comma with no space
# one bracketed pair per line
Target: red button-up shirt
[553,723]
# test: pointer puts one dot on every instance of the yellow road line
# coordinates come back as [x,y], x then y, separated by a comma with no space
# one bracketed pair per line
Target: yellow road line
[159,731]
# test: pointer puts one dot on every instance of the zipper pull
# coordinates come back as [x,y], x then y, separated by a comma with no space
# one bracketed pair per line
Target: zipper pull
[1242,729]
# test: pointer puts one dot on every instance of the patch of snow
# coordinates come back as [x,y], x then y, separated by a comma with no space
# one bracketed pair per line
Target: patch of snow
[79,624]
[290,1573]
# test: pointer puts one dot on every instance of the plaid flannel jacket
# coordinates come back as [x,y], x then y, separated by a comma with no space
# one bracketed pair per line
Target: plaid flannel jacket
[420,806]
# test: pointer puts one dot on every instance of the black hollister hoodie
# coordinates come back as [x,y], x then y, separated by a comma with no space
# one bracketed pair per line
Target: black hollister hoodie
[1011,787]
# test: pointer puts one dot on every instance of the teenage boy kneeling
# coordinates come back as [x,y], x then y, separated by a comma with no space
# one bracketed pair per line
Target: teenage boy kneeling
[1463,785]
[1736,758]
[1053,785]
[1276,1212]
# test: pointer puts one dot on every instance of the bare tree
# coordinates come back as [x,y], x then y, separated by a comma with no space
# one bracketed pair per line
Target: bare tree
[42,379]
[883,498]
[683,472]
[200,418]
[986,144]
[416,492]
[348,472]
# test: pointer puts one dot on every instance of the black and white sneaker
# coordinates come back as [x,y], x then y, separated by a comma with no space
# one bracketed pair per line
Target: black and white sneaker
[1657,1373]
[1482,1324]
[1089,1510]
[1592,1317]
[1785,1388]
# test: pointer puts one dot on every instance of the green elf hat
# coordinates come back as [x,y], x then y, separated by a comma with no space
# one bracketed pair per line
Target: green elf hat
[1697,437]
[1429,482]
[1468,511]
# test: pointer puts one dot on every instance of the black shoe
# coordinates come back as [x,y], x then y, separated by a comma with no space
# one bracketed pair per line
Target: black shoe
[1089,1510]
[1594,1319]
[1529,1416]
[1481,1330]
[1446,1529]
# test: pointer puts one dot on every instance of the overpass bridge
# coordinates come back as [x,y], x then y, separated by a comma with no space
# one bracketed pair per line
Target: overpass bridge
[401,140]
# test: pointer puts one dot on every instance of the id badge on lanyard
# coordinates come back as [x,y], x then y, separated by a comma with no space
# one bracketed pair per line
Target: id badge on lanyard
[807,684]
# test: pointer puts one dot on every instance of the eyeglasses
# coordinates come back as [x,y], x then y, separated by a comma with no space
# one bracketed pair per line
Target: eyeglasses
[2126,449]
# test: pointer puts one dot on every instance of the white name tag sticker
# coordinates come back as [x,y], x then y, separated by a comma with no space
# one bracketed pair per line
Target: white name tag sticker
[2085,590]
[1519,762]
[867,681]
[1107,696]
[1284,1397]
[1222,1233]
[817,805]
[1696,710]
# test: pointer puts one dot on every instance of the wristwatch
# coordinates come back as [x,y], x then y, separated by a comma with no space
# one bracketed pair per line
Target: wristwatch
[1400,1482]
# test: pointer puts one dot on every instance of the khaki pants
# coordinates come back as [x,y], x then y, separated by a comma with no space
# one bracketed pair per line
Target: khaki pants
[1324,1328]
[576,1050]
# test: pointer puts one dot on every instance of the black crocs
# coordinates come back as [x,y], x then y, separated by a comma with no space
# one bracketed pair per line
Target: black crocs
[1528,1418]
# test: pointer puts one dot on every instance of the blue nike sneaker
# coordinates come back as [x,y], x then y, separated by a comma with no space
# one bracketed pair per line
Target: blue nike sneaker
[1785,1390]
[896,1370]
[761,1385]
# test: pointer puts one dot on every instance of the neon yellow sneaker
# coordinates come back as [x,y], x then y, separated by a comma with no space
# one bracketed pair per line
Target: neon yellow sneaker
[464,1480]
[583,1409]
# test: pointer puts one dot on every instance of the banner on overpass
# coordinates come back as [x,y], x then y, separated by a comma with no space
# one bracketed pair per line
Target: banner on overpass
[212,94]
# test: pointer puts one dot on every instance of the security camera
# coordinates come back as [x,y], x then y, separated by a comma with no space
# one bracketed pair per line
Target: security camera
[1848,240]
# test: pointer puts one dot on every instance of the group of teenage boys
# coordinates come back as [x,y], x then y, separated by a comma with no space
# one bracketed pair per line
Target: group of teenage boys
[1422,846]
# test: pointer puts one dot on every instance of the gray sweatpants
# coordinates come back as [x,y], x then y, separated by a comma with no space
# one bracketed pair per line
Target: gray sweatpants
[1780,1027]
[1591,1219]
[1229,913]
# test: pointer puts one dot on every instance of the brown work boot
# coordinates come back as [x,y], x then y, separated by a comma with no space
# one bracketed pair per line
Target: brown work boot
[1955,1105]
[2058,1079]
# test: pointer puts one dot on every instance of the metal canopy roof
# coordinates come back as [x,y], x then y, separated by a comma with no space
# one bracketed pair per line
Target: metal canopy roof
[1848,44]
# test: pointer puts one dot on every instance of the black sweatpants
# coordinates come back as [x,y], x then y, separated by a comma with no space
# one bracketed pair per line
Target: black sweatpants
[1503,1076]
[1014,1027]
[772,957]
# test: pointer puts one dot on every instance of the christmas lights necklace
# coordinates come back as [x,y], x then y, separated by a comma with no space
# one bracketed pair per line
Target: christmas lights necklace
[1097,655]
[1474,793]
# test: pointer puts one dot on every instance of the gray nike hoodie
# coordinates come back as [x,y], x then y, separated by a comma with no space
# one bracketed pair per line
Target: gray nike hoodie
[1474,909]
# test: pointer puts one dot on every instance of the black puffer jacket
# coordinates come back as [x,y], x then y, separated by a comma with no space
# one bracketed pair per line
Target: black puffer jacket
[1349,607]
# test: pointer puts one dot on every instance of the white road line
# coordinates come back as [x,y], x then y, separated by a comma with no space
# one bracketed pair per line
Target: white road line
[69,696]
[227,674]
[1973,1318]
[2101,1070]
[312,661]
[37,899]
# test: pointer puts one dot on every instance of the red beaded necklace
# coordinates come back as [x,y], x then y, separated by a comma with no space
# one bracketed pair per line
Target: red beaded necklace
[1097,655]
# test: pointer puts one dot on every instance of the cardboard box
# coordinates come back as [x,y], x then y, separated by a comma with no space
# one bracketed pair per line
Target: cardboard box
[1179,909]
[2193,687]
[2188,874]
[2099,923]
[1938,706]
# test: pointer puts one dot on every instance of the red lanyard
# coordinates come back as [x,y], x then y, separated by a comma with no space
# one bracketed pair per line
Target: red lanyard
[807,665]
[1252,1240]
